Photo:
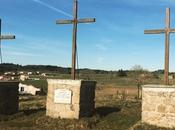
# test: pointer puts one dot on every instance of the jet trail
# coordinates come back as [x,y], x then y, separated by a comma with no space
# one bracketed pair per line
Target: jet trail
[52,8]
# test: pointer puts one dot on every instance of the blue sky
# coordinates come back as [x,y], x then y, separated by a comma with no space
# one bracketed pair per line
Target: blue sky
[115,41]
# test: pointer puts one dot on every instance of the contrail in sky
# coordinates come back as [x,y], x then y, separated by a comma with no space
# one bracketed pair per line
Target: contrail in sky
[52,8]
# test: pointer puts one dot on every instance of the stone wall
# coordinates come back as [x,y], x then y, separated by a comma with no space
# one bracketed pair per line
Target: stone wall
[158,105]
[8,98]
[81,101]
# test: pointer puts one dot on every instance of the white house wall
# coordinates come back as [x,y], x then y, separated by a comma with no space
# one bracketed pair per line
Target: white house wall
[28,89]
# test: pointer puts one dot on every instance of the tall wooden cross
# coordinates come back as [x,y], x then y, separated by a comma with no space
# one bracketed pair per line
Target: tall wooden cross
[4,37]
[167,32]
[75,21]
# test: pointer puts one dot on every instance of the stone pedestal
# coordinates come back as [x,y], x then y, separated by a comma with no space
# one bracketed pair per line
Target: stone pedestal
[158,105]
[71,99]
[8,97]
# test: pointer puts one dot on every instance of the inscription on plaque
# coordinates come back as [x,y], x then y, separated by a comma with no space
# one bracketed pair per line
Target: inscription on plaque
[63,96]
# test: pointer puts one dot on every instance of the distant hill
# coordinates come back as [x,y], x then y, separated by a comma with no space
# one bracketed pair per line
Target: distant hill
[5,67]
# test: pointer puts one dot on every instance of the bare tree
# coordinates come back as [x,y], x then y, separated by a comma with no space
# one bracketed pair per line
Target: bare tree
[139,74]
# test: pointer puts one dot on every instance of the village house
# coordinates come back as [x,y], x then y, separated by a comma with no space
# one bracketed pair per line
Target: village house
[1,77]
[23,77]
[12,78]
[43,74]
[29,73]
[8,73]
[28,89]
[8,78]
[21,72]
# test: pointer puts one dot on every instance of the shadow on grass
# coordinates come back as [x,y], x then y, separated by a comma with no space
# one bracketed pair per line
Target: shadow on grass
[104,111]
[32,111]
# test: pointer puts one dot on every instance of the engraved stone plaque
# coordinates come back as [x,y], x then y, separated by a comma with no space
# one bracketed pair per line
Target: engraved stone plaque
[63,96]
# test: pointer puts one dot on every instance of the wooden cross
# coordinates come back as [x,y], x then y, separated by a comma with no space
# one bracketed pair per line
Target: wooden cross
[4,37]
[75,21]
[167,32]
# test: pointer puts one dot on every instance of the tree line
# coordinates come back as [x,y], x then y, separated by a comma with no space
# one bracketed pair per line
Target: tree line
[9,67]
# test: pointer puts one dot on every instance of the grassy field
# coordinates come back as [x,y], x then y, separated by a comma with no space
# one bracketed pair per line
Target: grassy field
[115,110]
[103,80]
[112,113]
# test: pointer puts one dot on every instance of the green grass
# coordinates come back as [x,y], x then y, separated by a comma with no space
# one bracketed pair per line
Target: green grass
[111,114]
[119,115]
[103,80]
[141,126]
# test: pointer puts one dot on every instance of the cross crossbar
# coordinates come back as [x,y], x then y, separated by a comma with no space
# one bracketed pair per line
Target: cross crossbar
[7,37]
[158,31]
[85,20]
[64,22]
[172,30]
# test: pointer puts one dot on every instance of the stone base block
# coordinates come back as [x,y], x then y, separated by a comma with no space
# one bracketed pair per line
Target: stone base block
[71,99]
[158,105]
[9,99]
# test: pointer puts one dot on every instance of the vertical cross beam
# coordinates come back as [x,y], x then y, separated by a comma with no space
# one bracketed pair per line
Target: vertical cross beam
[0,41]
[74,40]
[167,35]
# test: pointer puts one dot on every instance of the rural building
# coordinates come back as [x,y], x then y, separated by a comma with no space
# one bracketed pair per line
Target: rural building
[21,72]
[1,77]
[28,89]
[43,74]
[23,77]
[29,73]
[8,73]
[12,78]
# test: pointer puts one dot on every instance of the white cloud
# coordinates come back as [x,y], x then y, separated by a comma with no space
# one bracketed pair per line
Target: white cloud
[21,54]
[101,47]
